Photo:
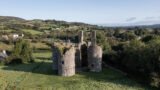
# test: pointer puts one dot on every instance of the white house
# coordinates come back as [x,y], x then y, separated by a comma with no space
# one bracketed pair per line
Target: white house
[15,36]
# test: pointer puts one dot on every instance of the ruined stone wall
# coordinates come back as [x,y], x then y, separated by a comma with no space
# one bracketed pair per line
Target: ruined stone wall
[55,57]
[81,37]
[77,56]
[95,58]
[66,64]
[94,55]
[93,39]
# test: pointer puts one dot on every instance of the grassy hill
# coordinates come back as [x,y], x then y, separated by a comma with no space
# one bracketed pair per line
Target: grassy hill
[40,76]
[10,18]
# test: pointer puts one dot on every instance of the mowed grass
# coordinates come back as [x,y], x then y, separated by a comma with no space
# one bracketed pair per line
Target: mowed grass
[39,45]
[6,31]
[40,76]
[32,31]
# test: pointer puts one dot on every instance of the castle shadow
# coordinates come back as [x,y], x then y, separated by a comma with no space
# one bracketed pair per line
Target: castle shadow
[44,58]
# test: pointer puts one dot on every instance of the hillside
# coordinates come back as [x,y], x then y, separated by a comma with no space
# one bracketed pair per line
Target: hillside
[10,18]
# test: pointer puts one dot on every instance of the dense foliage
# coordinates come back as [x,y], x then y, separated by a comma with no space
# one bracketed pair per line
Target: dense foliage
[21,53]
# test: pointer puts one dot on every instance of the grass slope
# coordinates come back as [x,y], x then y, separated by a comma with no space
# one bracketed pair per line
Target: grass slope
[40,76]
[32,31]
[4,46]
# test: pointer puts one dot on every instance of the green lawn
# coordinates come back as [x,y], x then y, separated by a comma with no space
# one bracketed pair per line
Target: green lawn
[6,30]
[40,76]
[32,31]
[40,45]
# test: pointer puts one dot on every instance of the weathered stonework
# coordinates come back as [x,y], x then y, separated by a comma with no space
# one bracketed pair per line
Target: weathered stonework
[93,39]
[66,64]
[95,58]
[77,57]
[81,37]
[55,56]
[94,55]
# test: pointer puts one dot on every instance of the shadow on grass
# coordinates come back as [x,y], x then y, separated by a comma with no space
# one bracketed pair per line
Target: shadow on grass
[37,67]
[44,58]
[106,75]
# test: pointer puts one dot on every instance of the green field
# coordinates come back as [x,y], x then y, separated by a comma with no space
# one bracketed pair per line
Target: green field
[39,45]
[6,31]
[32,31]
[40,76]
[4,46]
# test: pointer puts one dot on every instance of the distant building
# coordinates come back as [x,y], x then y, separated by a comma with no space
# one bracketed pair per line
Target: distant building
[5,36]
[3,55]
[15,36]
[21,35]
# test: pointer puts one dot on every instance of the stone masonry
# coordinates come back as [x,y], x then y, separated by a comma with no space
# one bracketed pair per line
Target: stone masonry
[94,55]
[77,57]
[66,64]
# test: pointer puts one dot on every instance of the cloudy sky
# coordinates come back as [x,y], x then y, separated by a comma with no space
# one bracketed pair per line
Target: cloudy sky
[102,12]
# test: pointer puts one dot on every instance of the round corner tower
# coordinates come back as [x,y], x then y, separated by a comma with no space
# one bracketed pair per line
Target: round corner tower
[94,55]
[66,64]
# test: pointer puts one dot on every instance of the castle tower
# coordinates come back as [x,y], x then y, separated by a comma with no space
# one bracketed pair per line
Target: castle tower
[94,55]
[66,64]
[93,39]
[81,37]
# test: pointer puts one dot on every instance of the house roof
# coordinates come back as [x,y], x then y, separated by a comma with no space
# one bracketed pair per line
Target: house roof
[4,35]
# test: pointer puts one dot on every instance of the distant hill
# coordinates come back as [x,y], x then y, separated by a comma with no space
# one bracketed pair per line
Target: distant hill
[133,26]
[10,18]
[151,26]
[17,20]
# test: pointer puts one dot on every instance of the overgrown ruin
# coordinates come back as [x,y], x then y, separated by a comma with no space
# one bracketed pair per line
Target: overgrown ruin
[69,58]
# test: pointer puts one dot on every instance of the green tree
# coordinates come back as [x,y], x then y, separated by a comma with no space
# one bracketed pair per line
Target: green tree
[21,53]
[102,41]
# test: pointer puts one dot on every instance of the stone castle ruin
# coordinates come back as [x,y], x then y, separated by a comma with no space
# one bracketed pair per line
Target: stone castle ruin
[69,58]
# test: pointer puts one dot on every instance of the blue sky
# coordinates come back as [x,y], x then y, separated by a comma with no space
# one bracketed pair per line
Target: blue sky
[104,12]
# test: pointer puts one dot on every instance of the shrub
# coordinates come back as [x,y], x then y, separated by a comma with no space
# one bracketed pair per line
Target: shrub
[21,53]
[142,60]
[2,62]
[102,41]
[148,38]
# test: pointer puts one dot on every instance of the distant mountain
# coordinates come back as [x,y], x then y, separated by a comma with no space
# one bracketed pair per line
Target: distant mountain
[132,26]
[150,26]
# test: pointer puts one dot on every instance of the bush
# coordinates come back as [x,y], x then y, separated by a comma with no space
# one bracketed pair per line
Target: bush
[148,38]
[142,60]
[21,53]
[102,41]
[2,62]
[14,60]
